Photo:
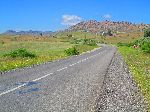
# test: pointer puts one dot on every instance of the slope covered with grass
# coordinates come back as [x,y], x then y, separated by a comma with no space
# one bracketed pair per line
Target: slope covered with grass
[139,64]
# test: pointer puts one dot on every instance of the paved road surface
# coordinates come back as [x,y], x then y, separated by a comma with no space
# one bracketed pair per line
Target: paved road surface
[68,85]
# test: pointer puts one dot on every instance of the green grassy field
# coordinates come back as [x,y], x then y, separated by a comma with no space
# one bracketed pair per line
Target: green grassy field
[46,49]
[120,37]
[49,48]
[139,64]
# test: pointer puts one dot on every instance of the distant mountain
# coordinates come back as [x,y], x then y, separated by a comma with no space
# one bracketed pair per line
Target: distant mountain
[99,27]
[30,32]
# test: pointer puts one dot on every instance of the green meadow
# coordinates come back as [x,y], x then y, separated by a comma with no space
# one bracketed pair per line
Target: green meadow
[45,48]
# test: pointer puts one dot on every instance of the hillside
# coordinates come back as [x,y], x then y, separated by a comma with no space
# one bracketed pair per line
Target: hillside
[100,27]
[30,32]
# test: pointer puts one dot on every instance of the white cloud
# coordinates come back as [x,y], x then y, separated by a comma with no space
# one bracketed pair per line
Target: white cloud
[71,19]
[107,16]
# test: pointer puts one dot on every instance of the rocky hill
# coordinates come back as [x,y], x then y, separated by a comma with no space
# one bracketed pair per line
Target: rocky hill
[99,27]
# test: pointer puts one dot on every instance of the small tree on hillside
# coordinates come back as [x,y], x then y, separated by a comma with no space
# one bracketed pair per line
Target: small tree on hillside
[109,32]
[147,33]
[41,34]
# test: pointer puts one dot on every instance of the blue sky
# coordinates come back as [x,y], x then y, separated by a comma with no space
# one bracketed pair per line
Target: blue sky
[59,14]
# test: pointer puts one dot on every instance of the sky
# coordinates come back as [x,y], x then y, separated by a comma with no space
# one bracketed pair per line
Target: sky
[53,15]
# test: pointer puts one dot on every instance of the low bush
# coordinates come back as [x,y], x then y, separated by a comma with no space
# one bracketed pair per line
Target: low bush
[141,41]
[20,53]
[124,44]
[146,47]
[89,42]
[147,33]
[72,51]
[144,43]
[76,41]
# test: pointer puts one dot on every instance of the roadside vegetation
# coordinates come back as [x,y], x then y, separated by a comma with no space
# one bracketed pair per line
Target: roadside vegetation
[72,51]
[21,51]
[137,56]
[15,49]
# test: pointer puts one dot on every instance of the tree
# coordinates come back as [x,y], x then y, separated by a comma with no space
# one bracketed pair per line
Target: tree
[41,34]
[109,32]
[69,35]
[147,33]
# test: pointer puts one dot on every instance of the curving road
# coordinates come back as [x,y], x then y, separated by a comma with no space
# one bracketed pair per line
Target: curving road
[95,81]
[68,85]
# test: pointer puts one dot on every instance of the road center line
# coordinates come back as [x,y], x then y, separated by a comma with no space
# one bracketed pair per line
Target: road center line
[18,87]
[62,69]
[41,77]
[8,91]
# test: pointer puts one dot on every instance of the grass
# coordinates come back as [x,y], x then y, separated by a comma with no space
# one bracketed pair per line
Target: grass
[123,38]
[45,49]
[84,48]
[77,34]
[139,64]
[119,37]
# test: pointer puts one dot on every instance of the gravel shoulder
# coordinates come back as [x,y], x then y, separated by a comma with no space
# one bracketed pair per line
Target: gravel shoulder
[120,92]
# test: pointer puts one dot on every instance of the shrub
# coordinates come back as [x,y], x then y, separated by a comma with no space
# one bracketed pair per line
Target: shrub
[124,44]
[146,47]
[76,41]
[144,43]
[109,33]
[69,35]
[147,33]
[3,42]
[89,42]
[72,51]
[141,41]
[20,53]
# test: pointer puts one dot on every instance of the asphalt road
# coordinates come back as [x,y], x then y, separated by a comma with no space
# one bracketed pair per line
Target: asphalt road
[68,85]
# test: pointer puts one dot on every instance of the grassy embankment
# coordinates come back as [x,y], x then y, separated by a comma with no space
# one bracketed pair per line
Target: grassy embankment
[45,49]
[139,64]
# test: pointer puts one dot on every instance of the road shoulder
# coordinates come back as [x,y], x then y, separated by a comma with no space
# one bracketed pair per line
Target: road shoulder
[120,92]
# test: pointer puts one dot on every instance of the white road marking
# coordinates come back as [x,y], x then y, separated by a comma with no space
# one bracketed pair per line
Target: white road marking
[41,77]
[8,91]
[84,60]
[71,65]
[62,69]
[22,85]
[18,87]
[78,62]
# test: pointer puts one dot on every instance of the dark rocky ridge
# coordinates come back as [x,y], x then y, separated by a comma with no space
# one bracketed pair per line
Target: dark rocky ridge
[30,32]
